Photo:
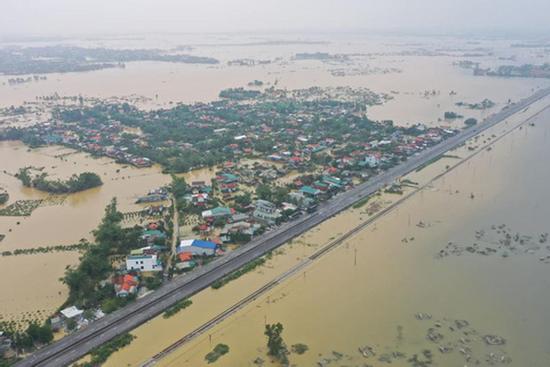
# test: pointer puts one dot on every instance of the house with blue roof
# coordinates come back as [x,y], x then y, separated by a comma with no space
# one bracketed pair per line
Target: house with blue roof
[197,247]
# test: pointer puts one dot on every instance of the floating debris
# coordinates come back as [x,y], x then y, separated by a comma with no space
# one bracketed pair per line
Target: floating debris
[423,316]
[499,240]
[434,336]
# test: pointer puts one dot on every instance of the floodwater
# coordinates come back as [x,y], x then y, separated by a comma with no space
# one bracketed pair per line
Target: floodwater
[31,282]
[368,290]
[33,279]
[414,73]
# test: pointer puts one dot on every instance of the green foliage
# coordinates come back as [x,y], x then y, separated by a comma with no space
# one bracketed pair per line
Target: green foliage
[183,304]
[299,348]
[76,183]
[275,343]
[361,203]
[41,334]
[4,197]
[95,266]
[239,93]
[113,303]
[238,273]
[279,194]
[243,200]
[153,282]
[240,237]
[264,192]
[102,353]
[470,122]
[71,324]
[25,177]
[178,187]
[451,115]
[219,351]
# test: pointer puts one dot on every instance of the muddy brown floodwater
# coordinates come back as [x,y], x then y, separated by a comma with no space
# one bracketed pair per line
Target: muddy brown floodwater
[30,283]
[385,287]
[335,306]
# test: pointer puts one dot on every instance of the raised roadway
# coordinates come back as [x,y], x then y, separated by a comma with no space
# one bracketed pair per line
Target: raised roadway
[78,344]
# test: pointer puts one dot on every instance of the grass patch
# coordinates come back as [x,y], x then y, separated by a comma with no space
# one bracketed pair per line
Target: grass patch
[238,273]
[219,351]
[184,303]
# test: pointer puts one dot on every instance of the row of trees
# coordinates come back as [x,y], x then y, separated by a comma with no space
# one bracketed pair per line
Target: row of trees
[84,281]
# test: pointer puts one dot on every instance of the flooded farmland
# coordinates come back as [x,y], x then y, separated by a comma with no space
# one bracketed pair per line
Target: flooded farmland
[31,282]
[386,287]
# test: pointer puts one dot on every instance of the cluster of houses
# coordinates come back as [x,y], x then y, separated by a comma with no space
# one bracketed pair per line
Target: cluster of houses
[127,281]
[97,138]
[190,250]
[73,318]
[160,194]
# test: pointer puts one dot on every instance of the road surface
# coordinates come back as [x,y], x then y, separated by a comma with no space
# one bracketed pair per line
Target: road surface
[78,344]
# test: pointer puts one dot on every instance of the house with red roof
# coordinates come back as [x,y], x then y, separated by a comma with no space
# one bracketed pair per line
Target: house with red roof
[126,285]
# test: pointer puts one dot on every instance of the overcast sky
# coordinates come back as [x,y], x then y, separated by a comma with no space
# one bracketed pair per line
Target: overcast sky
[74,17]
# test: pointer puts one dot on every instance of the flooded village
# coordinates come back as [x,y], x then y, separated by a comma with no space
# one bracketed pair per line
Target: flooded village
[201,168]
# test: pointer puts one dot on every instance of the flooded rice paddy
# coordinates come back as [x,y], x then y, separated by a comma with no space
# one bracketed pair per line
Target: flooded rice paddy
[387,289]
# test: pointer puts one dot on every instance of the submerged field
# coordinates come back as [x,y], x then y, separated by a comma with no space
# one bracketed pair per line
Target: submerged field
[378,287]
[334,304]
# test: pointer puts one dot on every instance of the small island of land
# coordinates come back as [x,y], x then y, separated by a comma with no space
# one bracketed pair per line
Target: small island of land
[30,177]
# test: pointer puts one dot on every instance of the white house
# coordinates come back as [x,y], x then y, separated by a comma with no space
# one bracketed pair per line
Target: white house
[143,263]
[72,313]
[372,161]
[266,211]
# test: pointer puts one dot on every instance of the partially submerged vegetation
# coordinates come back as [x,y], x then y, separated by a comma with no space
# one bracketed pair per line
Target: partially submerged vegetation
[64,59]
[75,183]
[24,341]
[20,208]
[361,203]
[81,246]
[102,353]
[180,305]
[4,197]
[238,273]
[275,344]
[85,282]
[299,348]
[219,351]
[483,105]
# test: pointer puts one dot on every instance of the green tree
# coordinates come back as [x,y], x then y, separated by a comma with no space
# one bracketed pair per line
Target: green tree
[178,186]
[41,334]
[264,192]
[71,325]
[275,343]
